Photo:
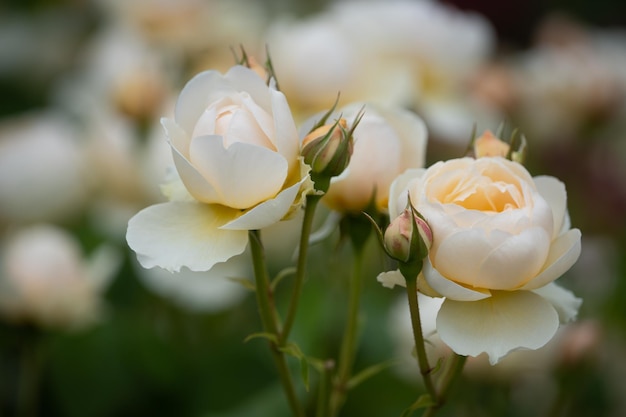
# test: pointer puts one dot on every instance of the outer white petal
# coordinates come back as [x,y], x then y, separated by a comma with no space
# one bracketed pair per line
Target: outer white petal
[564,252]
[243,174]
[194,182]
[505,322]
[564,301]
[390,279]
[196,96]
[497,260]
[176,136]
[448,288]
[398,191]
[246,80]
[553,191]
[268,212]
[286,134]
[176,234]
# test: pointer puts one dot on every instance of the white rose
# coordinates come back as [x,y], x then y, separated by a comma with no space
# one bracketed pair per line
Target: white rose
[236,149]
[500,237]
[387,142]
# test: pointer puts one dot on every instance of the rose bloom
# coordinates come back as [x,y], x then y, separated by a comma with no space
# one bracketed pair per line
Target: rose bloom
[387,141]
[500,237]
[236,150]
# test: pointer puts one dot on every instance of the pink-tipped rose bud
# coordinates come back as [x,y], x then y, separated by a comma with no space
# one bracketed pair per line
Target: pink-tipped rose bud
[402,242]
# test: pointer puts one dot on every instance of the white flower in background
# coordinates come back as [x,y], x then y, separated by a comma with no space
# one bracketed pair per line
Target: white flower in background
[562,87]
[419,53]
[211,291]
[118,71]
[46,280]
[43,171]
[387,141]
[236,150]
[501,237]
[200,31]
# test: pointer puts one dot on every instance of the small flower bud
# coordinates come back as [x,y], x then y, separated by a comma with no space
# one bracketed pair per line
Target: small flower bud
[401,241]
[328,148]
[489,145]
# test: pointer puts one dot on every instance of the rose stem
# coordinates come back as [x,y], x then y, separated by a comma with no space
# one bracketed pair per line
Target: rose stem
[270,321]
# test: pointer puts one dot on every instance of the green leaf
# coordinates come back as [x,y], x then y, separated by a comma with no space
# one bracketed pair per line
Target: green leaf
[424,401]
[262,335]
[244,282]
[294,350]
[282,275]
[369,372]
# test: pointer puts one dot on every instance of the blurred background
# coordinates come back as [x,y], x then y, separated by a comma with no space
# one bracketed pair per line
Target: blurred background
[85,331]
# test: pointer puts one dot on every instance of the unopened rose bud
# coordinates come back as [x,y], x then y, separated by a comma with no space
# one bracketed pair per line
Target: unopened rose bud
[327,149]
[489,145]
[401,241]
[254,65]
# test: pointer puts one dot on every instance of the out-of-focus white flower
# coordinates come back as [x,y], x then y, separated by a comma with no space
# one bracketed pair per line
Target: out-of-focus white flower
[46,280]
[572,78]
[211,291]
[387,141]
[236,150]
[501,238]
[43,170]
[419,53]
[195,30]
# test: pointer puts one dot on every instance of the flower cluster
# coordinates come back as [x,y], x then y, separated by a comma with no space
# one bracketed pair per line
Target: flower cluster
[478,231]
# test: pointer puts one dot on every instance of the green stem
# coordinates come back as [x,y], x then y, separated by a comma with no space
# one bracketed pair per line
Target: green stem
[269,320]
[422,359]
[324,385]
[348,345]
[307,224]
[447,381]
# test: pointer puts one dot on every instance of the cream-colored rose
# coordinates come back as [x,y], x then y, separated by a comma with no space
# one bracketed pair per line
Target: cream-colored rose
[500,237]
[387,141]
[236,150]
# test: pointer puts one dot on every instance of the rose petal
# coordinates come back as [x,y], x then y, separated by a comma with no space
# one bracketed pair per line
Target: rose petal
[564,252]
[194,182]
[197,94]
[285,133]
[244,175]
[390,279]
[398,191]
[176,234]
[176,136]
[553,191]
[516,260]
[497,325]
[268,212]
[246,80]
[448,288]
[564,301]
